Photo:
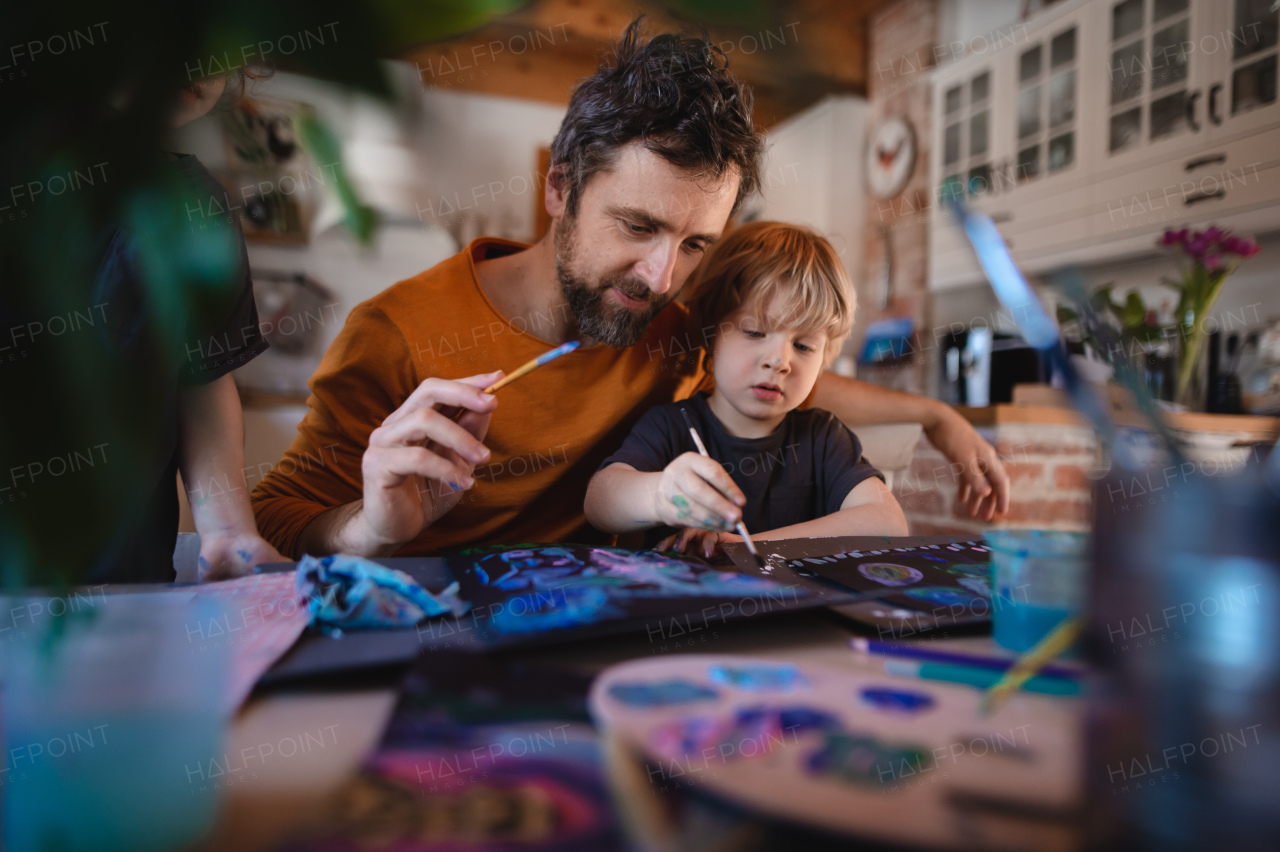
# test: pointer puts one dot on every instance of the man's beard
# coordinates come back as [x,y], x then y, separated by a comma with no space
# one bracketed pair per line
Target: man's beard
[600,318]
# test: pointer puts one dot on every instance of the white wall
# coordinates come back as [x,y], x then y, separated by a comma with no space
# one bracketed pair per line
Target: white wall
[481,158]
[814,176]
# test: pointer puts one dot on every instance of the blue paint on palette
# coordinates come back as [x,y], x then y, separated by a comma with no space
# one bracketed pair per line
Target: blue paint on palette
[759,678]
[752,731]
[898,700]
[661,693]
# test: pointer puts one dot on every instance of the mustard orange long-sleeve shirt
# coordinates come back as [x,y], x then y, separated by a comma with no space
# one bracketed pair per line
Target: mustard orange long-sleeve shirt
[548,435]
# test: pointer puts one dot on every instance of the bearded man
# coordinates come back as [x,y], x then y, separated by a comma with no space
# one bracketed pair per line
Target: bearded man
[655,154]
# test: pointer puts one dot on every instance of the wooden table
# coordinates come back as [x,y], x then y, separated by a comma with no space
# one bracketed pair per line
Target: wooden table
[279,798]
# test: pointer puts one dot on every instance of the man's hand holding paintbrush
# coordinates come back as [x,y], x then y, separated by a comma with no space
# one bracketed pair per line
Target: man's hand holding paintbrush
[418,463]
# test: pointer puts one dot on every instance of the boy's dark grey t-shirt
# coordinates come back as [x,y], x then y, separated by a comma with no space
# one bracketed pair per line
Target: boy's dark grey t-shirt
[803,471]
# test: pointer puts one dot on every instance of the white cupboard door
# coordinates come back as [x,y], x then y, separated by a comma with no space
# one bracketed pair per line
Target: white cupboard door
[1157,80]
[1241,97]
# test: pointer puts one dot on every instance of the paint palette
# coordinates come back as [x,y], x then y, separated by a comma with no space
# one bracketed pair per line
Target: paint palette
[894,759]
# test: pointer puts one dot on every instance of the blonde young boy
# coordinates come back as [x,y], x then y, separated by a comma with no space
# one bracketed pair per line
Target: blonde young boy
[775,304]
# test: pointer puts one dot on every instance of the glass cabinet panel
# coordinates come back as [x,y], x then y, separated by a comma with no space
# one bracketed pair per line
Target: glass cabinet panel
[1169,57]
[1047,106]
[966,135]
[1062,98]
[1029,112]
[1253,36]
[1126,19]
[1150,70]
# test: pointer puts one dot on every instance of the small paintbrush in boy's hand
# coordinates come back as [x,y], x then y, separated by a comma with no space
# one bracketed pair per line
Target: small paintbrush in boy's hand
[702,449]
[526,369]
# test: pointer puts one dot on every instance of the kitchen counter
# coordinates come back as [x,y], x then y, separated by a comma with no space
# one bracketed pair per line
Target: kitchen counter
[1042,404]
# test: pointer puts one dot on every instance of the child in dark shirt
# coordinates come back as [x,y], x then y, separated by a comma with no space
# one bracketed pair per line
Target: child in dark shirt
[774,304]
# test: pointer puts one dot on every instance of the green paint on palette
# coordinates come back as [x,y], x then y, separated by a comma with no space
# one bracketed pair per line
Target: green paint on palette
[863,760]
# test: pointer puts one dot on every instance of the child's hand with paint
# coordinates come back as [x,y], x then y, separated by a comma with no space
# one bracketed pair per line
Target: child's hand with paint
[695,491]
[696,542]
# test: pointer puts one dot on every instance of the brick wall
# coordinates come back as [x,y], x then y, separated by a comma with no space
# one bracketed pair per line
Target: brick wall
[900,51]
[1050,487]
[1051,472]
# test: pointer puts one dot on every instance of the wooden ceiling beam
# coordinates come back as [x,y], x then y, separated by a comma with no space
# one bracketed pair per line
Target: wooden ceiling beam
[811,48]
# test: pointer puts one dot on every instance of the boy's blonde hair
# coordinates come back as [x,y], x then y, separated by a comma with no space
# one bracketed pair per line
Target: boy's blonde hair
[788,270]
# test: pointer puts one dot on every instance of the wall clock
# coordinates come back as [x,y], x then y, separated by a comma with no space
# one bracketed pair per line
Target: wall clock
[891,156]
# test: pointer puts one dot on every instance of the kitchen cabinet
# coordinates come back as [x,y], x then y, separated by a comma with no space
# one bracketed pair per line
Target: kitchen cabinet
[1107,122]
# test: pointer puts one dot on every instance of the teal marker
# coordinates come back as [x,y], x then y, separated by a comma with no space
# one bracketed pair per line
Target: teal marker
[978,677]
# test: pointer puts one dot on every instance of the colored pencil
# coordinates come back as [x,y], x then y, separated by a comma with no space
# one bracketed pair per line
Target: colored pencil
[1058,640]
[702,449]
[527,368]
[977,677]
[929,655]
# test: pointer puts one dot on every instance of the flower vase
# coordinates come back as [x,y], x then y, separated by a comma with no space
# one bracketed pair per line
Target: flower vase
[1193,369]
[1205,260]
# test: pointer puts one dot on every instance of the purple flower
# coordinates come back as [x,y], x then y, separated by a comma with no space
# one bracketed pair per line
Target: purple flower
[1246,247]
[1209,247]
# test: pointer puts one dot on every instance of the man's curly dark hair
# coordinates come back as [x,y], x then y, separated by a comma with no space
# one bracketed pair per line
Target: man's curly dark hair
[674,93]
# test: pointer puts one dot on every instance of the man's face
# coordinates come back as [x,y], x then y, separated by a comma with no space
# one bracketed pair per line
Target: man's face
[641,229]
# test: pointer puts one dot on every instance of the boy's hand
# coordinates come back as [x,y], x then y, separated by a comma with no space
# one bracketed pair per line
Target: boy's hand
[704,543]
[224,557]
[697,492]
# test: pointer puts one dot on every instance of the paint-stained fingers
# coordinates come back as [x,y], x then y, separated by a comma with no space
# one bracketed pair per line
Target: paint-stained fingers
[714,474]
[680,541]
[388,467]
[425,424]
[708,507]
[675,542]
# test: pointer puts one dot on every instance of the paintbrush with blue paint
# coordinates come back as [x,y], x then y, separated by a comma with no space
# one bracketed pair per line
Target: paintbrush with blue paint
[1014,293]
[702,449]
[527,368]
